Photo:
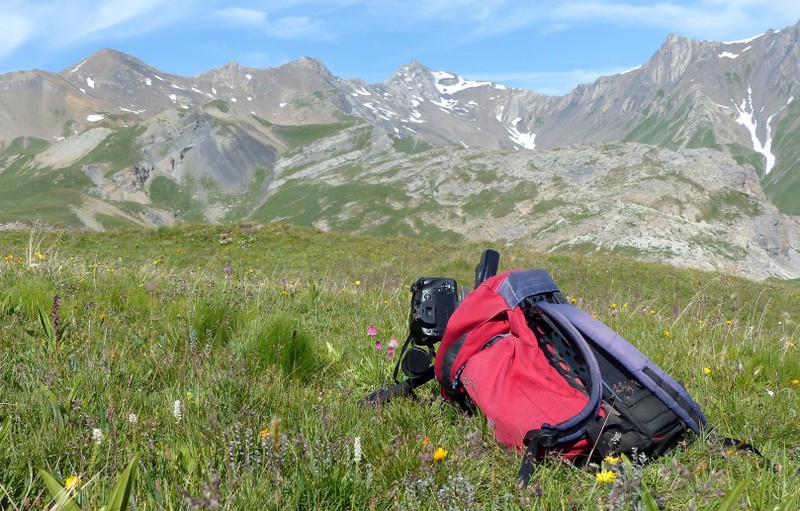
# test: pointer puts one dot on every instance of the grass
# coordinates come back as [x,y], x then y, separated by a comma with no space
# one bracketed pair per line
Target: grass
[118,150]
[298,136]
[376,209]
[409,145]
[229,361]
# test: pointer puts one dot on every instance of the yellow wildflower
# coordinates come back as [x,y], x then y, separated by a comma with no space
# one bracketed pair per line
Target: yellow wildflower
[439,454]
[707,370]
[613,305]
[666,333]
[612,460]
[573,301]
[358,282]
[426,441]
[795,382]
[652,311]
[606,476]
[71,483]
[730,321]
[263,433]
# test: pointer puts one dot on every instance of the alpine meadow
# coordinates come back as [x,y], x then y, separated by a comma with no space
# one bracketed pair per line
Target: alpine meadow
[227,363]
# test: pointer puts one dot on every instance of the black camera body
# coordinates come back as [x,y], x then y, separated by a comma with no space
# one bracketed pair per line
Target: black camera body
[433,301]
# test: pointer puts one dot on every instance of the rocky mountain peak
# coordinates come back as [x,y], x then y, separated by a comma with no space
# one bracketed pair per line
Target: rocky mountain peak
[310,64]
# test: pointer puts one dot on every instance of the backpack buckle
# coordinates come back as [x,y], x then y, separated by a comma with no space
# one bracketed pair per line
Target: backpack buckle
[545,438]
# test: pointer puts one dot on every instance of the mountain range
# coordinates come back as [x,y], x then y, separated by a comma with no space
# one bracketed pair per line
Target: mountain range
[691,158]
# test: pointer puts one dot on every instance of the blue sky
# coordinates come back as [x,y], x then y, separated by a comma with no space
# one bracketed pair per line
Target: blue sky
[541,45]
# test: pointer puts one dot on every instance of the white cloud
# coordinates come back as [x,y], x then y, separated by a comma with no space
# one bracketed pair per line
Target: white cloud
[281,27]
[701,19]
[698,19]
[110,14]
[243,16]
[14,30]
[54,23]
[295,27]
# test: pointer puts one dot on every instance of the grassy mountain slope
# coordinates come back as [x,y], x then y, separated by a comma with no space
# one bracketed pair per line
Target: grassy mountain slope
[231,359]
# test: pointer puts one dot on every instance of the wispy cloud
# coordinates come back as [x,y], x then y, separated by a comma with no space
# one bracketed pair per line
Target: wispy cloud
[52,23]
[701,19]
[14,30]
[295,27]
[109,14]
[281,27]
[242,16]
[692,18]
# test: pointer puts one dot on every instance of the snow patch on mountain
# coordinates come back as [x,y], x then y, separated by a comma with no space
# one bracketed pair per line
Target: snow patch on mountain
[748,40]
[446,104]
[746,119]
[444,86]
[526,140]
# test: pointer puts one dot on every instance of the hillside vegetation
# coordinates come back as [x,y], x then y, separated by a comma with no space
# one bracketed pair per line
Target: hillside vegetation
[227,362]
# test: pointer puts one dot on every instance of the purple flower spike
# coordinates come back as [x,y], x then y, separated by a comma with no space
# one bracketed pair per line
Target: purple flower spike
[393,343]
[372,331]
[390,353]
[378,345]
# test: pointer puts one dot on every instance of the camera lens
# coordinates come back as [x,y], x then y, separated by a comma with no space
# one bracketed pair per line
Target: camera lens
[416,361]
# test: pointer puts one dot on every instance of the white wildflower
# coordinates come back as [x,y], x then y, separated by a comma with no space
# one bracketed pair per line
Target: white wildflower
[357,450]
[97,436]
[177,410]
[132,418]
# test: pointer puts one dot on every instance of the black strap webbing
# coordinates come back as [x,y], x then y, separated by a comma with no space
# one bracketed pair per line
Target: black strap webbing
[534,440]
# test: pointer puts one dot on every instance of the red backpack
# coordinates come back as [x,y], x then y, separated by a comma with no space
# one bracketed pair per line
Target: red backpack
[549,378]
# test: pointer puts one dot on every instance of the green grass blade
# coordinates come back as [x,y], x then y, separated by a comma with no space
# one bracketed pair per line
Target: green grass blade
[648,501]
[47,327]
[788,503]
[123,488]
[732,498]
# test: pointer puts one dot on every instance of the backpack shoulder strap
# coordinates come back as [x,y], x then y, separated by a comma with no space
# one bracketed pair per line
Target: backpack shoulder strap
[652,377]
[557,325]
